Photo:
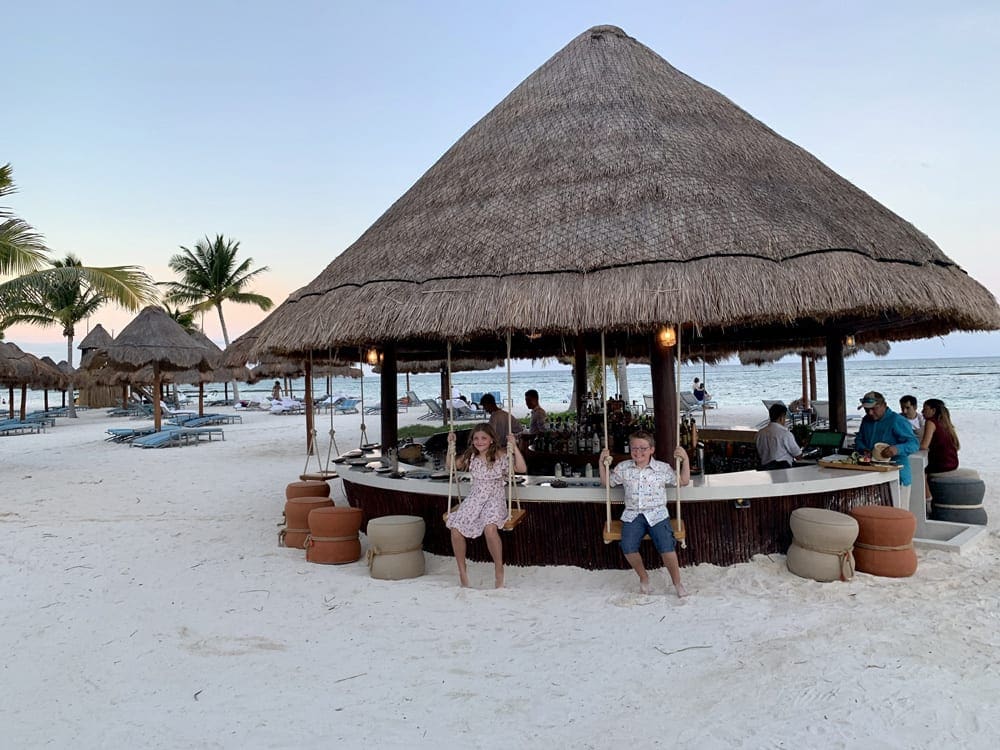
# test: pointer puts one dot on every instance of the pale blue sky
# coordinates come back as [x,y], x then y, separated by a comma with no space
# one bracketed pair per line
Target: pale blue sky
[134,128]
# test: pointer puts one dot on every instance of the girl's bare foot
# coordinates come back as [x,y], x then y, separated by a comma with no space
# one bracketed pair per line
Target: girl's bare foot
[499,582]
[464,580]
[645,587]
[681,591]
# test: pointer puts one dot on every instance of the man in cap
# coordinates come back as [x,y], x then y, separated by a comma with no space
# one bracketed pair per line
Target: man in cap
[882,425]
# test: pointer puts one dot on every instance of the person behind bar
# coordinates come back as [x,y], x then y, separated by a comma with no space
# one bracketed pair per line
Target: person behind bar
[645,480]
[908,408]
[776,447]
[484,509]
[538,415]
[498,419]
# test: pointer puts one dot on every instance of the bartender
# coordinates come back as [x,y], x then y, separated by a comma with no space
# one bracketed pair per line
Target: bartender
[499,419]
[538,415]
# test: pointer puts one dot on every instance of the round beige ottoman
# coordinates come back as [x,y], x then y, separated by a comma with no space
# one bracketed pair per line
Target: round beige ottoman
[821,544]
[395,547]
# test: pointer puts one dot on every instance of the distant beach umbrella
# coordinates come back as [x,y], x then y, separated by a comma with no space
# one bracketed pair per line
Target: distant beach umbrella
[153,339]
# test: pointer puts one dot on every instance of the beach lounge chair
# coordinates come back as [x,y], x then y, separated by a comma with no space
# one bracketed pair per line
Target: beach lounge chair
[647,404]
[287,406]
[127,434]
[160,439]
[17,427]
[434,410]
[346,406]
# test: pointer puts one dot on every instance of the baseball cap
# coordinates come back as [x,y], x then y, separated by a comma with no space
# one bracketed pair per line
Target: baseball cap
[870,399]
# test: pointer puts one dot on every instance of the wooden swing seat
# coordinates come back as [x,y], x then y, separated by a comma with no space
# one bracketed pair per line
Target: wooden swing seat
[614,534]
[318,475]
[516,516]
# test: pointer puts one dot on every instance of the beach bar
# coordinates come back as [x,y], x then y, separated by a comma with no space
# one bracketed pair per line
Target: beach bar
[562,526]
[611,201]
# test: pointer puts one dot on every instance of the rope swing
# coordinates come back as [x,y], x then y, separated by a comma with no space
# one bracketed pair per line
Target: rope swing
[450,456]
[364,430]
[323,470]
[514,515]
[677,523]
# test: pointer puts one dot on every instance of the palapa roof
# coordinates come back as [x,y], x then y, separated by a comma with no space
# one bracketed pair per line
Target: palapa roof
[610,191]
[767,356]
[98,338]
[153,338]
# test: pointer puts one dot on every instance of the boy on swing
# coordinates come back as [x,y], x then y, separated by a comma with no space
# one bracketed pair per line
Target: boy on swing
[645,480]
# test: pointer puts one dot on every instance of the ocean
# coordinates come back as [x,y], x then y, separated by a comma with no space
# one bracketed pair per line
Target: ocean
[967,383]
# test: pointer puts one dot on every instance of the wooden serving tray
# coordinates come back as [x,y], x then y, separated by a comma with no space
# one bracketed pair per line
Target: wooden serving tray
[857,467]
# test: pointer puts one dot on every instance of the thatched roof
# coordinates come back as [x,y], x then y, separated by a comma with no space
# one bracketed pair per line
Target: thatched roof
[153,338]
[18,367]
[767,356]
[98,338]
[611,191]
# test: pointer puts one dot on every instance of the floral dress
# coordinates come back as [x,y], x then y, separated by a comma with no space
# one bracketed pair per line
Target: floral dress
[486,502]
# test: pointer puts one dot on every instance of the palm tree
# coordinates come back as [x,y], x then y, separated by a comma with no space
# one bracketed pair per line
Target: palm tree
[210,276]
[69,292]
[21,248]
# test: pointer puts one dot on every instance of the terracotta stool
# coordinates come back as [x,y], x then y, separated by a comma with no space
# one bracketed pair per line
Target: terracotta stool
[333,535]
[957,496]
[309,488]
[821,544]
[395,547]
[297,511]
[885,541]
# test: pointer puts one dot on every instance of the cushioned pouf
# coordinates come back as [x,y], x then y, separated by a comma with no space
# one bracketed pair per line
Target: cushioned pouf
[308,488]
[297,511]
[821,545]
[957,498]
[885,541]
[395,547]
[333,535]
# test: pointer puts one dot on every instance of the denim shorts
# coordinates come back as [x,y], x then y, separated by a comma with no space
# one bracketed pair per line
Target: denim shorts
[662,535]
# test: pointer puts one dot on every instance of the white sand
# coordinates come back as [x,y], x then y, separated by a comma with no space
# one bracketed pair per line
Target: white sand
[146,604]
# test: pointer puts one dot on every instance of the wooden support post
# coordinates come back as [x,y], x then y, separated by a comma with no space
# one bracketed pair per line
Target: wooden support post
[662,370]
[387,390]
[835,381]
[580,372]
[310,417]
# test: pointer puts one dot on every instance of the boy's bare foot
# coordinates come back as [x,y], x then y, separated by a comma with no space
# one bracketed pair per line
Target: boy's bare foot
[681,591]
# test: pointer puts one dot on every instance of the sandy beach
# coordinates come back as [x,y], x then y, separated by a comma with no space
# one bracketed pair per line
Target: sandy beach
[146,603]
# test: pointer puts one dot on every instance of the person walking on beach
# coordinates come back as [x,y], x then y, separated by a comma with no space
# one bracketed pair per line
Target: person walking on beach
[276,390]
[538,415]
[776,447]
[499,419]
[882,425]
[484,510]
[645,480]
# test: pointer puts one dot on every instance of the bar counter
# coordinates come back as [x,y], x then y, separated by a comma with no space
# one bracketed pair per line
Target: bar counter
[563,526]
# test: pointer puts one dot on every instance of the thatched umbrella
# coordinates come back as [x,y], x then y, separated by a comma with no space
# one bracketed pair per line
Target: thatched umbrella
[153,338]
[56,379]
[17,369]
[762,357]
[611,192]
[95,390]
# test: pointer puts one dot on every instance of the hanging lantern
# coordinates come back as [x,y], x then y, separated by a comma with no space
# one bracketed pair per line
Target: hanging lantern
[666,337]
[373,358]
[849,340]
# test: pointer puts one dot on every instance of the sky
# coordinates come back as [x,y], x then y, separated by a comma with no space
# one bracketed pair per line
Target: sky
[136,128]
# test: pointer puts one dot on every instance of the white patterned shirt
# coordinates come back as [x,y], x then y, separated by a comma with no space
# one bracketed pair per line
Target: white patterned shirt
[645,489]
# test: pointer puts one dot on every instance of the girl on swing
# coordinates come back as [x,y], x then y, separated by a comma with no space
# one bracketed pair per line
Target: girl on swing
[484,510]
[645,480]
